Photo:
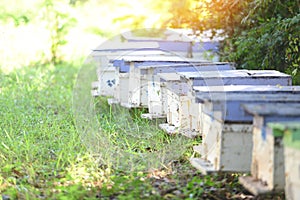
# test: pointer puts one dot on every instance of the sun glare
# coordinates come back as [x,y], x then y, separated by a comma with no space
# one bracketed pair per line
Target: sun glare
[96,20]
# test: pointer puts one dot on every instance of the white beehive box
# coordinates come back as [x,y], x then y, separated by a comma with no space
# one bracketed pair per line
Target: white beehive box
[186,119]
[267,166]
[155,90]
[137,82]
[138,87]
[292,159]
[104,86]
[157,94]
[225,147]
[170,41]
[225,116]
[196,108]
[106,80]
[122,65]
[180,42]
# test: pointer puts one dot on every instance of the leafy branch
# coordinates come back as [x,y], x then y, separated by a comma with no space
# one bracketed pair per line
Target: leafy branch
[58,23]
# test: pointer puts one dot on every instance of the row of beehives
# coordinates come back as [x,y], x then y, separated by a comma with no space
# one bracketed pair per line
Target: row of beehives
[215,101]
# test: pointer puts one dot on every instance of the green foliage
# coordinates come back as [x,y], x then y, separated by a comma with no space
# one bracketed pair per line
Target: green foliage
[39,140]
[18,19]
[260,34]
[58,22]
[17,14]
[204,15]
[270,40]
[129,187]
[139,142]
[99,31]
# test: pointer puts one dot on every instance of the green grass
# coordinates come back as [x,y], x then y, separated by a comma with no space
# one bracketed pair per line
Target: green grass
[39,142]
[52,148]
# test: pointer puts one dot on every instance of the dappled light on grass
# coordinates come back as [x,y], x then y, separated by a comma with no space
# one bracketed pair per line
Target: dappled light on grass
[159,174]
[86,172]
[40,145]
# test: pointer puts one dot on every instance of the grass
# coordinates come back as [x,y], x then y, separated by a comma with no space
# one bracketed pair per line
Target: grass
[39,142]
[49,151]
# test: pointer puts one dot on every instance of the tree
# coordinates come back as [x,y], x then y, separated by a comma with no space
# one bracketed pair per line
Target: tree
[260,34]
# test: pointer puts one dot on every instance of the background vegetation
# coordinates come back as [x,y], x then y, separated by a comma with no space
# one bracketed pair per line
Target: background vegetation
[260,34]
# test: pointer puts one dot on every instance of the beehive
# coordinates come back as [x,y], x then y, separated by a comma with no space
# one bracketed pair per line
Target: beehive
[106,80]
[227,130]
[136,82]
[145,86]
[181,118]
[179,43]
[196,114]
[267,167]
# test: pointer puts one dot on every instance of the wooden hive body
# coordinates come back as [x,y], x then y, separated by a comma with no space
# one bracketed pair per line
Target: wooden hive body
[187,119]
[267,166]
[222,118]
[157,94]
[136,83]
[102,55]
[196,108]
[122,64]
[180,44]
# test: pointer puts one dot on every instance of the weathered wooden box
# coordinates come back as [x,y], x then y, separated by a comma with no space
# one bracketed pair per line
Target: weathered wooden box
[104,86]
[180,43]
[106,80]
[142,78]
[267,166]
[223,115]
[122,70]
[181,118]
[237,77]
[292,159]
[170,41]
[196,108]
[135,89]
[149,90]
